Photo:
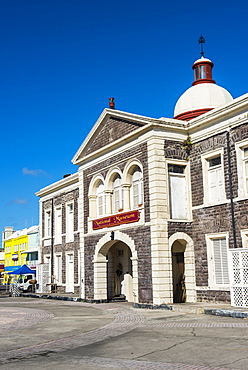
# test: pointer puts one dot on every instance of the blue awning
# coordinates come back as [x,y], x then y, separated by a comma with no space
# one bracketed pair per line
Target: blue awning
[22,270]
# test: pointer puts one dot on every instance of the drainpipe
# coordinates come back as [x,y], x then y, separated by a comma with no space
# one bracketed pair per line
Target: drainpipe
[230,187]
[52,259]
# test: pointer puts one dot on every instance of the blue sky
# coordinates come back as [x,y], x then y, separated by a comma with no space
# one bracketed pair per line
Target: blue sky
[62,59]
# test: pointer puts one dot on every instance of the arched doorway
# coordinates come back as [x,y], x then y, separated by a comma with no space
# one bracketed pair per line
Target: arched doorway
[115,268]
[178,271]
[119,272]
[183,262]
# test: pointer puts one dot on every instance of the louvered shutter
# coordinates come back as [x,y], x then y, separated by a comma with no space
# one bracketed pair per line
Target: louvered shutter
[220,261]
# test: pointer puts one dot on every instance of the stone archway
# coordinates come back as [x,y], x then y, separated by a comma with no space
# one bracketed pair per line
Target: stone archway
[181,243]
[110,242]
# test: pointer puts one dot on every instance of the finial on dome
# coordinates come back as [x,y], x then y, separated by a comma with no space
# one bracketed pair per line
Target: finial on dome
[201,41]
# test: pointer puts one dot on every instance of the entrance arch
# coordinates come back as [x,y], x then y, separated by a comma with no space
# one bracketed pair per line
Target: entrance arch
[114,256]
[183,263]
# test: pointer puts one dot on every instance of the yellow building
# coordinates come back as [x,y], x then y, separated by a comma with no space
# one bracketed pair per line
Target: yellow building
[15,247]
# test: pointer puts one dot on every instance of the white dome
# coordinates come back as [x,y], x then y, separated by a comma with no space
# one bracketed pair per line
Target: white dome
[202,59]
[203,96]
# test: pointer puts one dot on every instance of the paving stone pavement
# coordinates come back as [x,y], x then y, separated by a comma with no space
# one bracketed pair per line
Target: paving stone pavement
[125,321]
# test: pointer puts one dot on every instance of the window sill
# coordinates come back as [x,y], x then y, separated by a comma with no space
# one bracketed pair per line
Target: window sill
[180,220]
[206,205]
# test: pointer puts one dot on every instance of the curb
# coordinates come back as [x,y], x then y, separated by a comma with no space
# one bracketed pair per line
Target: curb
[194,310]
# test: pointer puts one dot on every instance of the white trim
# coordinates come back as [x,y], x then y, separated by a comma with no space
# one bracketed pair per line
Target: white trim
[181,162]
[69,278]
[210,256]
[58,279]
[244,237]
[205,174]
[58,225]
[68,182]
[68,222]
[189,263]
[242,187]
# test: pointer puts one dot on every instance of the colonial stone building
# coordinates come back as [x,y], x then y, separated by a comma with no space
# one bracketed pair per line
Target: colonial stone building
[155,203]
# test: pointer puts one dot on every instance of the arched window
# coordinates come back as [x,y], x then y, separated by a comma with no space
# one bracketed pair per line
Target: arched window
[100,199]
[136,188]
[117,194]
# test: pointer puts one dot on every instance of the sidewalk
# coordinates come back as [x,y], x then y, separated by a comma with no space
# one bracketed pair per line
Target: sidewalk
[216,309]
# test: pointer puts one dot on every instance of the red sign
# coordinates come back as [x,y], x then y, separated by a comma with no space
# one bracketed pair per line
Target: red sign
[122,218]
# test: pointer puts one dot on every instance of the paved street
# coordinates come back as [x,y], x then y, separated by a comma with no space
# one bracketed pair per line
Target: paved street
[53,334]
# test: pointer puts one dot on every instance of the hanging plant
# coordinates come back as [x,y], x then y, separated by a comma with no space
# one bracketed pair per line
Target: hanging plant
[187,144]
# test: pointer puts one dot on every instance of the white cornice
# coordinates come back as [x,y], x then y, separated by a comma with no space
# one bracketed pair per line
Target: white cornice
[61,184]
[226,111]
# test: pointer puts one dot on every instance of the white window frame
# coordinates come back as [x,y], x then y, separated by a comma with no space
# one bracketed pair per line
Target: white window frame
[211,260]
[48,223]
[47,259]
[69,222]
[186,175]
[58,225]
[137,200]
[117,198]
[206,171]
[100,200]
[69,256]
[244,237]
[58,268]
[241,159]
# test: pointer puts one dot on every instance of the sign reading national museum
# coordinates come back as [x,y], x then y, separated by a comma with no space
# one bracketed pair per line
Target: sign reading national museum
[122,218]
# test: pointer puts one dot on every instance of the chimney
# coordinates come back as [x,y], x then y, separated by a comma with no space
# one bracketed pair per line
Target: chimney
[112,103]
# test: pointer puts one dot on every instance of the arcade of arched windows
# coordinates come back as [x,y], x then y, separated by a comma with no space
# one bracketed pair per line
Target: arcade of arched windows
[118,191]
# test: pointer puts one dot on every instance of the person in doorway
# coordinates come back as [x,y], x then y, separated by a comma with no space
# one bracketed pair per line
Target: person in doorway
[118,280]
[127,287]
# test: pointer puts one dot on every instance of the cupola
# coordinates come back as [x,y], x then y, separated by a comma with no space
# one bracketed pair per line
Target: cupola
[204,94]
[202,71]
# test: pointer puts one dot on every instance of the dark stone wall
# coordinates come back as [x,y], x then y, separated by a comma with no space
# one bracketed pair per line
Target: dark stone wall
[211,219]
[111,131]
[142,240]
[62,248]
[213,296]
[140,151]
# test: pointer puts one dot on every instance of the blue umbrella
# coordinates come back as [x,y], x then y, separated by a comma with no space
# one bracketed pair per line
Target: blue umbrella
[22,270]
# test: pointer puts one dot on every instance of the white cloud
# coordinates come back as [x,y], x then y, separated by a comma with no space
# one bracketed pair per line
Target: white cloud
[20,201]
[35,173]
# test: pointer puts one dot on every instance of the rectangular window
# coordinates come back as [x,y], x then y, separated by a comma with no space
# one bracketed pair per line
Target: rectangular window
[16,248]
[69,222]
[245,160]
[218,261]
[244,236]
[58,226]
[242,167]
[58,268]
[178,192]
[48,224]
[213,177]
[100,205]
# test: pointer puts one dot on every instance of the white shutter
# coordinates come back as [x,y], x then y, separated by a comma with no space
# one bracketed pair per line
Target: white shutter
[135,194]
[58,226]
[178,197]
[220,261]
[220,182]
[213,191]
